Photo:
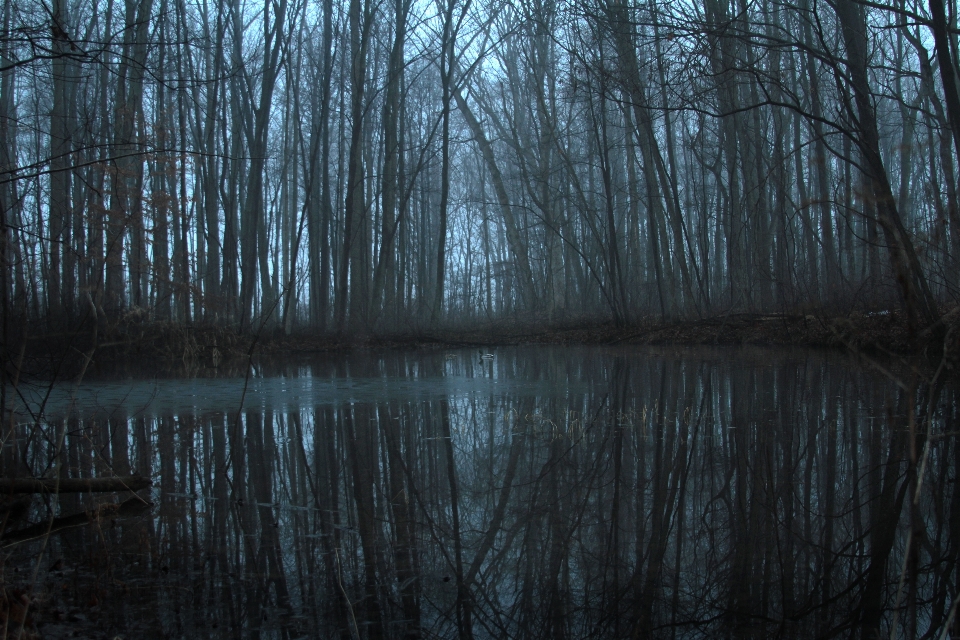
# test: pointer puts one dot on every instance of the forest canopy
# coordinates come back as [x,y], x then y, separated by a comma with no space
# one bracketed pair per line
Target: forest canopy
[366,166]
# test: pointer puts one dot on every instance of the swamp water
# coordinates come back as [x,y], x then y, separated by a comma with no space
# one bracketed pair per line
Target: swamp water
[546,492]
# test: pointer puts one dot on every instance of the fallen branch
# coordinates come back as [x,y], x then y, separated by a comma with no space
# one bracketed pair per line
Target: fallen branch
[72,485]
[132,507]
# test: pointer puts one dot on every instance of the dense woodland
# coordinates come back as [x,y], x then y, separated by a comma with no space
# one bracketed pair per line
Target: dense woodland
[380,166]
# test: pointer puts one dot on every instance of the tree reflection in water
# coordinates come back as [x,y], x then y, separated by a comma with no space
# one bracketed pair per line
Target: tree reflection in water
[549,492]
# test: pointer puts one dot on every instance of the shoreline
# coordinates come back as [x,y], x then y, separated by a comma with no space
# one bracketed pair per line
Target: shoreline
[172,348]
[878,332]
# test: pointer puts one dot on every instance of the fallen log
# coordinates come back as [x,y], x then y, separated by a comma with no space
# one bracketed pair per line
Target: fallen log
[72,485]
[132,507]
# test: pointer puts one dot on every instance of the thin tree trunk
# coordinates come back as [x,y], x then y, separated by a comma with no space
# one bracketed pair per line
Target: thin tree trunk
[384,276]
[350,287]
[447,45]
[126,202]
[61,133]
[518,247]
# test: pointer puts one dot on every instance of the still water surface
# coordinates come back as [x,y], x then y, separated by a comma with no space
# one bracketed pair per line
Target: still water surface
[547,492]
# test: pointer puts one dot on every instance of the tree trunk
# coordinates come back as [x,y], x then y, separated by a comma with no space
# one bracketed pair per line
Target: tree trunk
[918,301]
[384,276]
[447,45]
[126,202]
[61,133]
[350,286]
[654,171]
[253,217]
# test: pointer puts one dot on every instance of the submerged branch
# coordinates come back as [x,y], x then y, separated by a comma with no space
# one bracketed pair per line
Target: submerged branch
[132,507]
[73,485]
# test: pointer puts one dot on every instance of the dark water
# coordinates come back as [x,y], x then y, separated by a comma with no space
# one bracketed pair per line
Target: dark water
[544,493]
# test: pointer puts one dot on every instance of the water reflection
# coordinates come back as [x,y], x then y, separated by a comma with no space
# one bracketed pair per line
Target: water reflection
[546,492]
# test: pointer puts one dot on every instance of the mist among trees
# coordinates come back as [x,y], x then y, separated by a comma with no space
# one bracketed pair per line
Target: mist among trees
[374,167]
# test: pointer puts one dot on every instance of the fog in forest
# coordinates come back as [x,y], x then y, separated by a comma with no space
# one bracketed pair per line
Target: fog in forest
[379,167]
